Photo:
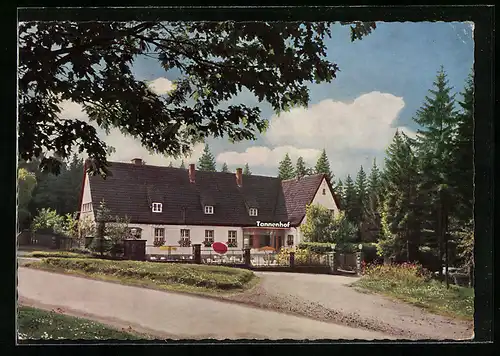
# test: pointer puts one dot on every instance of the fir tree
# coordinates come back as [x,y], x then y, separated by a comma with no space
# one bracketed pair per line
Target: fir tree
[246,170]
[402,206]
[170,164]
[323,165]
[350,199]
[361,192]
[207,160]
[463,155]
[339,192]
[434,143]
[182,165]
[285,170]
[372,209]
[300,168]
[224,168]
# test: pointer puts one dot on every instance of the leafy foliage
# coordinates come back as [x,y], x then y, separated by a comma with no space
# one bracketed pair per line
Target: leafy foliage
[317,247]
[90,63]
[26,182]
[48,219]
[319,224]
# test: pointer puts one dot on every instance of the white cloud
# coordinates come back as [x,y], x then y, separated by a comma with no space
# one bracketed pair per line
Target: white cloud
[71,110]
[353,134]
[267,157]
[126,147]
[161,86]
[365,123]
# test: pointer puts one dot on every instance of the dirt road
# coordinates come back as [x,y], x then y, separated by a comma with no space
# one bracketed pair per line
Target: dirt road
[330,298]
[170,315]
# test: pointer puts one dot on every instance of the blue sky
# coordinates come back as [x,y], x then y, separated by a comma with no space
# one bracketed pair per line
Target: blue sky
[383,80]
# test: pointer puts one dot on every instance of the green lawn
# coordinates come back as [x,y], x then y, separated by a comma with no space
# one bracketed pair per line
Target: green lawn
[35,324]
[457,302]
[192,278]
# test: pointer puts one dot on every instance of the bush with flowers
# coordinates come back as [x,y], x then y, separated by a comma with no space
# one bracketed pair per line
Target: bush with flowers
[303,256]
[405,272]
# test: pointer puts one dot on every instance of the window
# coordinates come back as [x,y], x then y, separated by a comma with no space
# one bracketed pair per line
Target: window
[159,237]
[185,240]
[86,207]
[157,207]
[324,191]
[209,209]
[209,238]
[253,212]
[289,240]
[231,239]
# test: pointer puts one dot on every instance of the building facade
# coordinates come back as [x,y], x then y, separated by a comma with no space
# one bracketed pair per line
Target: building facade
[174,208]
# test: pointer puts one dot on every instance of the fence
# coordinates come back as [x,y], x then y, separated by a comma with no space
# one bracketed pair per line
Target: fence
[209,256]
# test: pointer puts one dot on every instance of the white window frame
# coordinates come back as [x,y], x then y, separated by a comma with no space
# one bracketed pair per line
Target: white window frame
[159,237]
[230,236]
[86,207]
[183,234]
[288,239]
[210,236]
[209,209]
[253,212]
[157,207]
[324,191]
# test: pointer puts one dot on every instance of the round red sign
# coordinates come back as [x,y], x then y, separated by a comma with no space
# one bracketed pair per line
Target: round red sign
[219,247]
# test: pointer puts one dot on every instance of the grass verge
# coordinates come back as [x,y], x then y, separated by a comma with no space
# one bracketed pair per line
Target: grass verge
[56,254]
[37,324]
[407,283]
[190,278]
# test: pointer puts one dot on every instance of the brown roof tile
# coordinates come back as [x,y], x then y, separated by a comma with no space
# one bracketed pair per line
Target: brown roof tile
[131,189]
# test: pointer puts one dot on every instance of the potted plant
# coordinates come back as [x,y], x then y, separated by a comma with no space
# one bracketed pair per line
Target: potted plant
[207,243]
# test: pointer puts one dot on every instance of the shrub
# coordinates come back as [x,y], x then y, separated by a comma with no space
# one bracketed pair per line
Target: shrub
[212,277]
[58,254]
[406,272]
[317,247]
[302,257]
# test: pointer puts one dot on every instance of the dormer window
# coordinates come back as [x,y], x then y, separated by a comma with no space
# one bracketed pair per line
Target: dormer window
[253,212]
[157,207]
[209,209]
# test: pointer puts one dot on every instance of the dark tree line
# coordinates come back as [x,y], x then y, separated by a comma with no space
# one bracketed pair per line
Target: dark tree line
[58,192]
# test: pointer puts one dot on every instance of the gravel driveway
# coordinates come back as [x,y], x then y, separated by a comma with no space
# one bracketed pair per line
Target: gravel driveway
[171,315]
[330,298]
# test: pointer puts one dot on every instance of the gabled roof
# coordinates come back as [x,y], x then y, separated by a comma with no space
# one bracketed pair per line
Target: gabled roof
[299,193]
[132,188]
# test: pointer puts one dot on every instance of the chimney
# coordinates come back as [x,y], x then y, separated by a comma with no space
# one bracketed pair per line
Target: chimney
[137,161]
[192,171]
[239,176]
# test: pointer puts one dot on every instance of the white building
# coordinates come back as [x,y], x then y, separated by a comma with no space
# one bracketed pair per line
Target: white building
[180,207]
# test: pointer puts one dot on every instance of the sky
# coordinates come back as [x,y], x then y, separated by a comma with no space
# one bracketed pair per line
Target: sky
[382,82]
